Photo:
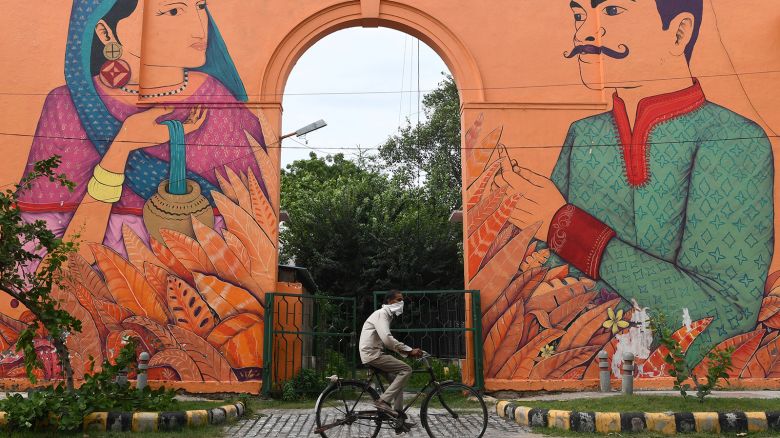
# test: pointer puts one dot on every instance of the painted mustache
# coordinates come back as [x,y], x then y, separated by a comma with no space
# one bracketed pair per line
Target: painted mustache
[590,49]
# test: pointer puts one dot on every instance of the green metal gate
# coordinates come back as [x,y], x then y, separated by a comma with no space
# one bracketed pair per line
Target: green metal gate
[307,337]
[435,321]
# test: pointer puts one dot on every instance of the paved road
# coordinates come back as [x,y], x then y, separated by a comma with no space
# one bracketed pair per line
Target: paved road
[294,423]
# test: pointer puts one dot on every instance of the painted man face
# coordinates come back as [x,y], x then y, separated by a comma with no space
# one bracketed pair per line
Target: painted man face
[625,38]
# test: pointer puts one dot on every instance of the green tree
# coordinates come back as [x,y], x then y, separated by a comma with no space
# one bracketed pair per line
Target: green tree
[358,230]
[430,150]
[21,246]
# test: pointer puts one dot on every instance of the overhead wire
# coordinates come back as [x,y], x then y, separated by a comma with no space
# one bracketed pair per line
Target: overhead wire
[606,84]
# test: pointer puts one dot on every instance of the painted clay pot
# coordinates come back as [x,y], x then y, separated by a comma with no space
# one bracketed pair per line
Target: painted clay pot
[173,212]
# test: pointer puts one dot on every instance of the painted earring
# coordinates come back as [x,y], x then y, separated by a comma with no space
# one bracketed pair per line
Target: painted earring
[114,73]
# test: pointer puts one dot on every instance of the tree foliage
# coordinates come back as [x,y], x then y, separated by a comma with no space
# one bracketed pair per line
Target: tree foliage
[430,150]
[358,230]
[31,262]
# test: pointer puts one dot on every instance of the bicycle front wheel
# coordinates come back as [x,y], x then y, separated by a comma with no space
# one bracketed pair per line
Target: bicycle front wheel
[454,410]
[347,410]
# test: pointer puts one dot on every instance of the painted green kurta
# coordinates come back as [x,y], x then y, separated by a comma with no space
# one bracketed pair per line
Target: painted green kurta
[699,234]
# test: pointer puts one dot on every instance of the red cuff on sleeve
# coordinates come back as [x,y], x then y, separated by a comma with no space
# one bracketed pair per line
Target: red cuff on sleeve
[579,238]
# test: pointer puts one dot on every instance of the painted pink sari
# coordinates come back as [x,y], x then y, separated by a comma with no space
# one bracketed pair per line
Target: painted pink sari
[221,141]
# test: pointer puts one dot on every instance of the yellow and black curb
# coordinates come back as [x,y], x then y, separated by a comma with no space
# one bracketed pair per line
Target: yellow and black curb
[667,423]
[160,421]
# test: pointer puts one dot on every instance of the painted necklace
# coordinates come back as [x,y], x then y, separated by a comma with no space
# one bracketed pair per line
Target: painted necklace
[167,93]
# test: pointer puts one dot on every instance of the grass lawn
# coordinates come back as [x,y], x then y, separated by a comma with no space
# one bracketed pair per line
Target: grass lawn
[565,433]
[656,403]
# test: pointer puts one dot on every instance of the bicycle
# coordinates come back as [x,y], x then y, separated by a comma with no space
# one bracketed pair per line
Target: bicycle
[450,409]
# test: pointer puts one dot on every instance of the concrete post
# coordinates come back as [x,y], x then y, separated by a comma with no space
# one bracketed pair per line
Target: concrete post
[143,365]
[628,373]
[604,372]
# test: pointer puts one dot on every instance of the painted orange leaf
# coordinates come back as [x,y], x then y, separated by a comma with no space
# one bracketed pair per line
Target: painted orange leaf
[127,285]
[137,252]
[211,363]
[232,326]
[188,252]
[116,340]
[504,337]
[536,258]
[223,259]
[242,193]
[472,136]
[559,364]
[501,251]
[480,190]
[262,252]
[158,279]
[163,335]
[189,309]
[88,302]
[770,312]
[86,342]
[520,364]
[509,232]
[180,361]
[226,299]
[170,261]
[482,211]
[82,272]
[564,314]
[583,328]
[111,314]
[238,248]
[558,272]
[479,156]
[655,364]
[531,249]
[771,282]
[552,294]
[744,346]
[226,187]
[480,240]
[246,348]
[765,363]
[574,374]
[268,170]
[10,328]
[261,209]
[518,290]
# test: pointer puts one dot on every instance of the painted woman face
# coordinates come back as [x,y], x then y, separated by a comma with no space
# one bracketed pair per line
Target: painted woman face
[175,34]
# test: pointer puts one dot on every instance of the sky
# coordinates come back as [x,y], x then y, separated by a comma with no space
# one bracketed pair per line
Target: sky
[368,68]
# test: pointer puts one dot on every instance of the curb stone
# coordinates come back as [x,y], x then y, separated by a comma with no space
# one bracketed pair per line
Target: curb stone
[157,421]
[667,423]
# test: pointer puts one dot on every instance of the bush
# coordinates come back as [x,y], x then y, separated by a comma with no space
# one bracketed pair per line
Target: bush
[442,370]
[306,382]
[56,407]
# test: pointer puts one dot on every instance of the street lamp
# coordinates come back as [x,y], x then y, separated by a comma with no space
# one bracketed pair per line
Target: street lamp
[306,129]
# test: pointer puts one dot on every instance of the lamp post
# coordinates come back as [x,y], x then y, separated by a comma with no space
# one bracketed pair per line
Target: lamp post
[306,129]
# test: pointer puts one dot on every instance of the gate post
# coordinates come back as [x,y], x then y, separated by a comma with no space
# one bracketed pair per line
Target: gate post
[268,325]
[476,323]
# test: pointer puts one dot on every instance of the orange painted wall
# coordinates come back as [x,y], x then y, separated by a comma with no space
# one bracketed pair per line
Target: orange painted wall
[506,56]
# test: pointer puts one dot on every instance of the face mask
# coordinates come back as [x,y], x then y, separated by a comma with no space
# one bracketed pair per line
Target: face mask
[396,309]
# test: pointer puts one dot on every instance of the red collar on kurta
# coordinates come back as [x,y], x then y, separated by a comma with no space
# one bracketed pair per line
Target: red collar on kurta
[650,112]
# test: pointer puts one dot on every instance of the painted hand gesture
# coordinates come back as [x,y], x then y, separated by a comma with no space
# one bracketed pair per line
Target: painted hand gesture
[142,130]
[541,199]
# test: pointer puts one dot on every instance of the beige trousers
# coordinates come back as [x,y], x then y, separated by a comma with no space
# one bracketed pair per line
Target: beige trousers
[399,372]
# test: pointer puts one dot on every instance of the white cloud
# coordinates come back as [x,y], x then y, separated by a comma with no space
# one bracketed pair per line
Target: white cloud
[359,62]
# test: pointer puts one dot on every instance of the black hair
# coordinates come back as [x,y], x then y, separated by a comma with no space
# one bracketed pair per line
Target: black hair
[389,295]
[669,9]
[121,10]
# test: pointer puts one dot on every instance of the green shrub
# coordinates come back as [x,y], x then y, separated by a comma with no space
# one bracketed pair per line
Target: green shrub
[56,407]
[306,383]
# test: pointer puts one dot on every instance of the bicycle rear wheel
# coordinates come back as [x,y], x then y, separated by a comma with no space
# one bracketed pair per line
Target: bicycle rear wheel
[454,410]
[347,410]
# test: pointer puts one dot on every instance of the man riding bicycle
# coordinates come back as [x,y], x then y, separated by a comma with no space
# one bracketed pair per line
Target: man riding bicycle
[374,338]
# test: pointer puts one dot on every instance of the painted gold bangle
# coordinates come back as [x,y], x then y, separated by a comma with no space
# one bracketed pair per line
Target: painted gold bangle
[102,192]
[108,178]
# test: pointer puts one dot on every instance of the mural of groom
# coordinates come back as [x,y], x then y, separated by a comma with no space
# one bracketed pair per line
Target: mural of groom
[666,201]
